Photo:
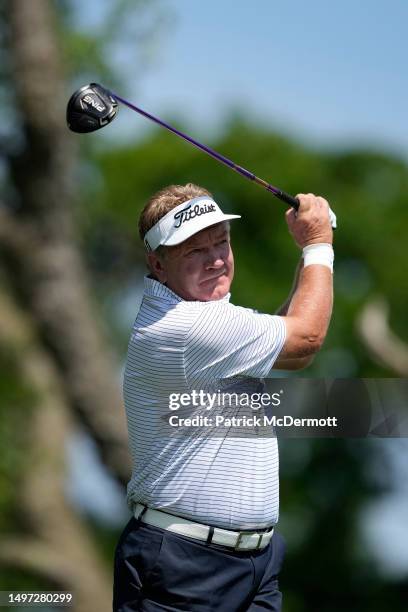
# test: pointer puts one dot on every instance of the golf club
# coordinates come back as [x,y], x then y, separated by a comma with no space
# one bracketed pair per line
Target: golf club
[92,107]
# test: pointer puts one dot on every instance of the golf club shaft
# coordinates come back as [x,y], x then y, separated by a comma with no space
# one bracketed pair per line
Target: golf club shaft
[285,197]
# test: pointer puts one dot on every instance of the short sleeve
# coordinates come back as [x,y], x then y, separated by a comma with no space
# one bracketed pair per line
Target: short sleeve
[228,340]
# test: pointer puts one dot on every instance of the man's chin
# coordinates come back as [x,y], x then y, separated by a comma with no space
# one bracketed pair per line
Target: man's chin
[216,290]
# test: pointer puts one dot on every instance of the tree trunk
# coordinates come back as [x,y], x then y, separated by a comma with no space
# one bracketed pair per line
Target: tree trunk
[37,236]
[55,543]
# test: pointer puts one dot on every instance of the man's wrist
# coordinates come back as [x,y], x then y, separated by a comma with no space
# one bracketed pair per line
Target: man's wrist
[321,253]
[323,239]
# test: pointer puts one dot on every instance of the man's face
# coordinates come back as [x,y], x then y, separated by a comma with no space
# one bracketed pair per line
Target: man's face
[200,268]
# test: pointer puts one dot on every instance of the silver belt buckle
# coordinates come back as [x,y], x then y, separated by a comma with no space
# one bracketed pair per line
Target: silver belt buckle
[244,533]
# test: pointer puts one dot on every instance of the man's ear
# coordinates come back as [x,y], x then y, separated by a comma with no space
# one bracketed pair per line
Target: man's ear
[156,266]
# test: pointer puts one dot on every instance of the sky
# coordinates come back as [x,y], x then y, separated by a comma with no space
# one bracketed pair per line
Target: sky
[332,74]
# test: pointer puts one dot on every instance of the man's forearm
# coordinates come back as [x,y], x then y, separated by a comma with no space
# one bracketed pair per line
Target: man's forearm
[283,310]
[309,312]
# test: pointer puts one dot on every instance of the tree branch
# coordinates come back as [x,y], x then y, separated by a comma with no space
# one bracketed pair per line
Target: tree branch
[385,347]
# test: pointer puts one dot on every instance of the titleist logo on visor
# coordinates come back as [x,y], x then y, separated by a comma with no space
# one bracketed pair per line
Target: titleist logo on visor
[191,212]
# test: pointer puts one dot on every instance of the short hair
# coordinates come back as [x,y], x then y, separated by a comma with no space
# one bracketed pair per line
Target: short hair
[165,200]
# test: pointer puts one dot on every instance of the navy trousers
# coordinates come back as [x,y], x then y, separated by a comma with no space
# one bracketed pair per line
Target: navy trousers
[159,570]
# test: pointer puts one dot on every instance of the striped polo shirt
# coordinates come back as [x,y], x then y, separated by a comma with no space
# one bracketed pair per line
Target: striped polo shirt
[176,346]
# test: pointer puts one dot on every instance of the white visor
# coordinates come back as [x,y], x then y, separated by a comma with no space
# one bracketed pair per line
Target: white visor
[184,221]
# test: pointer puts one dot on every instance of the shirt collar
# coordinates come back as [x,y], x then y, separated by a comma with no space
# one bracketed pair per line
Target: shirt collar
[154,288]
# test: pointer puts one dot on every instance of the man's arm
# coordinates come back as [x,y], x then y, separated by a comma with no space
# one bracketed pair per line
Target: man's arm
[295,363]
[283,310]
[308,310]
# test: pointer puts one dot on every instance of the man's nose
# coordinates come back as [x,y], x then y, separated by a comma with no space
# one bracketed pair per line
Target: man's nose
[215,260]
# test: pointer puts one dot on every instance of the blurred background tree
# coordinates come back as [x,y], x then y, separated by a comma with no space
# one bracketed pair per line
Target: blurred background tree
[70,273]
[52,342]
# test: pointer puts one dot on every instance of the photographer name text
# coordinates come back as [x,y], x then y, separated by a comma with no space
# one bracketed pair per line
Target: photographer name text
[250,421]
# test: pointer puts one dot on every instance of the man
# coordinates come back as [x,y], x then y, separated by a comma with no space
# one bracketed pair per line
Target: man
[205,503]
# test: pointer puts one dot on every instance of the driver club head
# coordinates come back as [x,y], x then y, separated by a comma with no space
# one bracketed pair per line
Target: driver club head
[90,108]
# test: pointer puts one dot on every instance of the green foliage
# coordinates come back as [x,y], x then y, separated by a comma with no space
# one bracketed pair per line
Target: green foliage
[18,580]
[105,539]
[16,402]
[324,485]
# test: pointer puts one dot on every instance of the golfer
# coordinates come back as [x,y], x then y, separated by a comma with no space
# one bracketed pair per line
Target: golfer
[202,536]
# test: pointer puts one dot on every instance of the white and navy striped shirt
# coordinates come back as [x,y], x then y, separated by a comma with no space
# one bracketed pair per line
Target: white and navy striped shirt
[176,346]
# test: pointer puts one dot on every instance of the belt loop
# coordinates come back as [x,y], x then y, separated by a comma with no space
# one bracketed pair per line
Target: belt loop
[210,535]
[139,518]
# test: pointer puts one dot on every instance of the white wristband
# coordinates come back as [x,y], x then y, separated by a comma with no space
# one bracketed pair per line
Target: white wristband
[321,254]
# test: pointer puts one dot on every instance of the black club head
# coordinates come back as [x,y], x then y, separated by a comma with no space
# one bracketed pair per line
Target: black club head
[90,108]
